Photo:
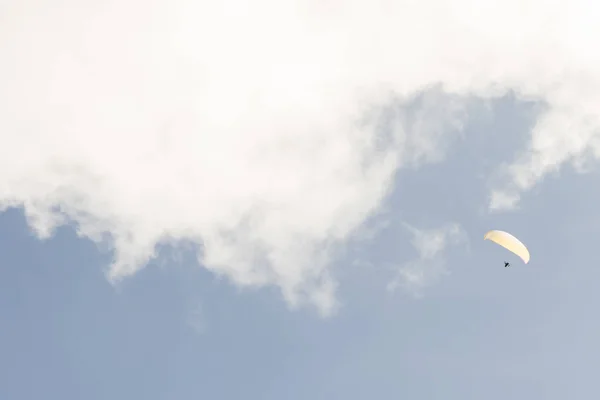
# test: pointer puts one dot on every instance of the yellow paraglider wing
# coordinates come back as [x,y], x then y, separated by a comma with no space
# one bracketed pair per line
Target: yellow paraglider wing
[509,242]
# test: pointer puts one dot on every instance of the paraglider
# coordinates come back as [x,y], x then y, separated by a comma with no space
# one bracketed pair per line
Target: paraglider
[510,243]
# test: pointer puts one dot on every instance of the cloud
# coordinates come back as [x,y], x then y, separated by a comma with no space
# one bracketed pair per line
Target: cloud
[430,265]
[255,129]
[197,319]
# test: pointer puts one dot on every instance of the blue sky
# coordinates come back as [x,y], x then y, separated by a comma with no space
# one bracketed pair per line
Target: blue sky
[224,201]
[174,331]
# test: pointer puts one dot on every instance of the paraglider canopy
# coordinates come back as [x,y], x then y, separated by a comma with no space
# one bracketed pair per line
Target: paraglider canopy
[509,242]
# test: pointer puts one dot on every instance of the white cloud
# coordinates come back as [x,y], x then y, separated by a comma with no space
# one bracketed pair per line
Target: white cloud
[430,264]
[246,126]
